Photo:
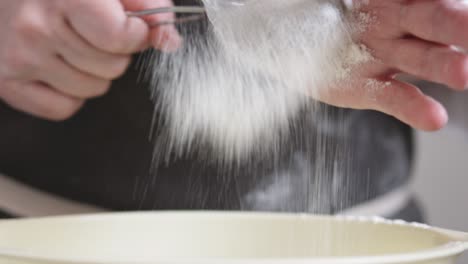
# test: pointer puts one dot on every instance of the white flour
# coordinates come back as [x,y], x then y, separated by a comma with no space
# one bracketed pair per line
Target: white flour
[234,92]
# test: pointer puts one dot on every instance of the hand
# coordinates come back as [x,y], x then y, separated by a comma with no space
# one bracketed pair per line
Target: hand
[415,37]
[55,54]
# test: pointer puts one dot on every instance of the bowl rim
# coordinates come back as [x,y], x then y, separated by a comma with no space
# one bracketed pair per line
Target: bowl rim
[448,250]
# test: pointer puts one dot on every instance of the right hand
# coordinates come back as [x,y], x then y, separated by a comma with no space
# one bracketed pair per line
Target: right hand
[415,38]
[55,54]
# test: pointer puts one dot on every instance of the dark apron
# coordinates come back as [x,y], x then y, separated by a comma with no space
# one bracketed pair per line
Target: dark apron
[103,157]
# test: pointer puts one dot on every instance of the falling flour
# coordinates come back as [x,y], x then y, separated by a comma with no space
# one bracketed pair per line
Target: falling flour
[232,92]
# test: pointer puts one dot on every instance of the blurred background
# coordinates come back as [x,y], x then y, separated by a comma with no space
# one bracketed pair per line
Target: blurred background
[441,178]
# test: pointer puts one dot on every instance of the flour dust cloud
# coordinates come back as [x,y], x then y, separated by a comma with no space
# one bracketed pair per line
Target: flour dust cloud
[233,88]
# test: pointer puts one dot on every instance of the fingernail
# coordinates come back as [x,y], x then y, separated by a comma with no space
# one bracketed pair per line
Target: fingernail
[167,39]
[175,40]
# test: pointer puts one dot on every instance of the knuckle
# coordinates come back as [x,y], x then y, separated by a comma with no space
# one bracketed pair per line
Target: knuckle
[454,71]
[425,67]
[6,89]
[16,63]
[29,24]
[79,6]
[114,40]
[118,67]
[27,29]
[100,89]
[62,110]
[108,33]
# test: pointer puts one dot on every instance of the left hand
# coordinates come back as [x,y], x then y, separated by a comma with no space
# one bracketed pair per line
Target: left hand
[165,38]
[55,54]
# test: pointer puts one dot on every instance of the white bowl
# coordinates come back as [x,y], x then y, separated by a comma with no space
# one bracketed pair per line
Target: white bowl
[223,238]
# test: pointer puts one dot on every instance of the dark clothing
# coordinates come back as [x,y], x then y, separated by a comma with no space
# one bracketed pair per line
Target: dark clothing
[411,213]
[103,157]
[4,215]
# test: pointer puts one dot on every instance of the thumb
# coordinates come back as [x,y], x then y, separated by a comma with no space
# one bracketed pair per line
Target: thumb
[164,37]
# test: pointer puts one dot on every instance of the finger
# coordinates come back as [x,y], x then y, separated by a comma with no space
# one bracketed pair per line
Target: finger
[408,104]
[106,25]
[426,60]
[165,37]
[400,100]
[378,18]
[72,82]
[86,58]
[40,100]
[443,21]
